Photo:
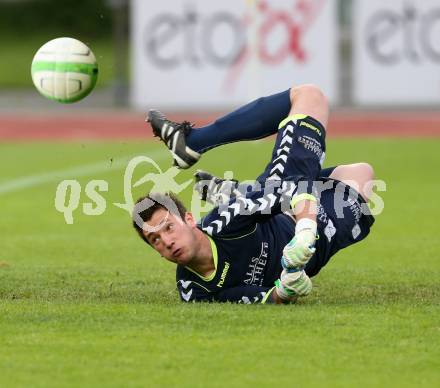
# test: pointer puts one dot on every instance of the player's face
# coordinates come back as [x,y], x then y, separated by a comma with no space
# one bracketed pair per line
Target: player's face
[174,239]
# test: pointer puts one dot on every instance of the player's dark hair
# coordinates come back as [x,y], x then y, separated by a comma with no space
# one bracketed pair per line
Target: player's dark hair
[147,205]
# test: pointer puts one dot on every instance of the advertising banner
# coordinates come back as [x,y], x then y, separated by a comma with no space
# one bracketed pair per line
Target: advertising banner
[199,54]
[396,52]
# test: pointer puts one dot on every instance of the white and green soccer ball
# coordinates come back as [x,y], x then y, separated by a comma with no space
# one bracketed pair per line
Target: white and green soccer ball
[64,70]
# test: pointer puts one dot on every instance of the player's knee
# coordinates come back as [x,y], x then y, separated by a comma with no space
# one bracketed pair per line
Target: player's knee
[309,91]
[309,99]
[367,171]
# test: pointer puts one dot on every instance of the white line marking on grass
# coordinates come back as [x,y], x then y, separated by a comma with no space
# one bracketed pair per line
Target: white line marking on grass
[84,170]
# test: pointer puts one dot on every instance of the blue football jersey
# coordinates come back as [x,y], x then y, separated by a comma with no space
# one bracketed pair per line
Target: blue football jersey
[247,249]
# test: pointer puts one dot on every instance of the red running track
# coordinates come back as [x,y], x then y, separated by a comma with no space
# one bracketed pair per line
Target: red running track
[123,125]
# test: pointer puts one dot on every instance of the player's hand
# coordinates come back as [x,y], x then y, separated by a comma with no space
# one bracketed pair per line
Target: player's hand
[292,285]
[299,250]
[214,190]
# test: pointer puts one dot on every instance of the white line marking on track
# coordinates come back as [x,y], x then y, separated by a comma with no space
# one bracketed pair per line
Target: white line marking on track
[74,172]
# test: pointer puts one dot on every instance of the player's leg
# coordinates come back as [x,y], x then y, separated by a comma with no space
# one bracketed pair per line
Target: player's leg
[296,163]
[357,175]
[255,120]
[300,145]
[344,214]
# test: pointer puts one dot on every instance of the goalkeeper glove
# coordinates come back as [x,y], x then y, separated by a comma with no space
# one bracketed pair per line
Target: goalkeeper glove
[292,285]
[301,248]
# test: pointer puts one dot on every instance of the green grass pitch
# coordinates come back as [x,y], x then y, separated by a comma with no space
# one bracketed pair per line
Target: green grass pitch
[90,305]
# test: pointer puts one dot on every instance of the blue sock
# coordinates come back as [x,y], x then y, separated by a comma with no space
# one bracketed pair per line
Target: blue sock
[255,120]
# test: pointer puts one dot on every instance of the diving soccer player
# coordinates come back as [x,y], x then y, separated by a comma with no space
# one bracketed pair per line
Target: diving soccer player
[261,244]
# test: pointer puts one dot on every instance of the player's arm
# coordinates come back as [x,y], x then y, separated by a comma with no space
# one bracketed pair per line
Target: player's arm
[243,211]
[287,289]
[301,248]
[245,294]
[191,291]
